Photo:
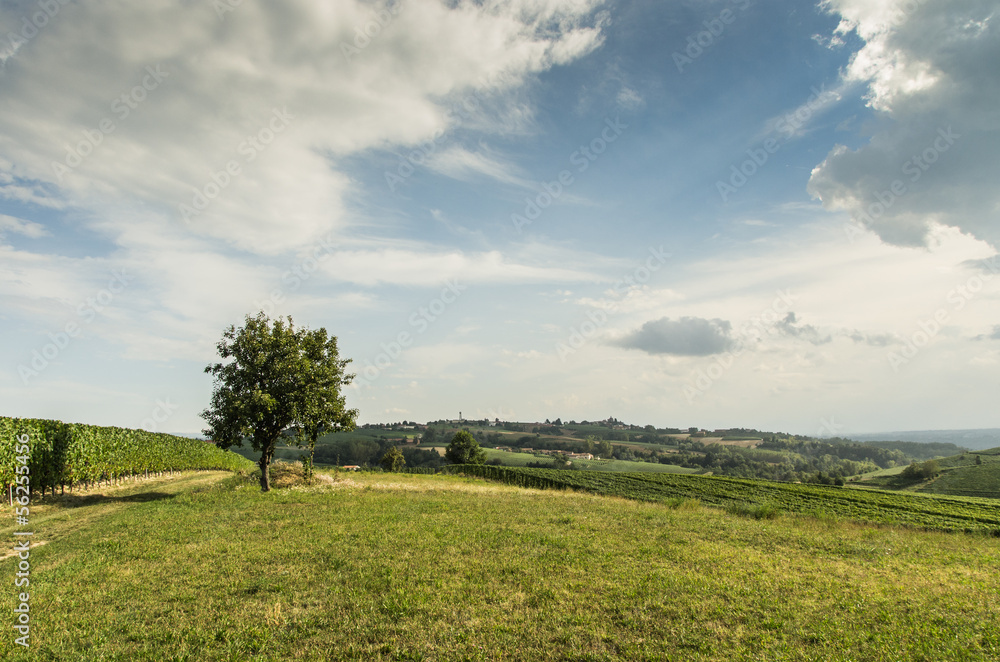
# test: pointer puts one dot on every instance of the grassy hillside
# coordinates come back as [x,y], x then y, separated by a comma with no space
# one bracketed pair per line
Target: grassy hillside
[395,567]
[960,475]
[765,498]
[971,480]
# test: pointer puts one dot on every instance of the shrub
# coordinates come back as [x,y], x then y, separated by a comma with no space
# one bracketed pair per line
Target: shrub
[755,511]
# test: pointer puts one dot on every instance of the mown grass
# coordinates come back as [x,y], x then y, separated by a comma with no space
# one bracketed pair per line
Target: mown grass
[398,567]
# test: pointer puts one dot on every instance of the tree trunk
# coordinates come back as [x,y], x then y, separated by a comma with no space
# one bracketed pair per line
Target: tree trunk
[265,474]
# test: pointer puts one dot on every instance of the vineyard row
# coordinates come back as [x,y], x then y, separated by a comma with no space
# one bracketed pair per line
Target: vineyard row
[62,455]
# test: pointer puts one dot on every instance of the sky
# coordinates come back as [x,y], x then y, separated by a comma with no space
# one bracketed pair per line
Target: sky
[778,214]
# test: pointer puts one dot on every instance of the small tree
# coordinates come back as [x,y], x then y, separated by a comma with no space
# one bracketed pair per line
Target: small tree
[393,460]
[979,459]
[321,408]
[276,378]
[464,449]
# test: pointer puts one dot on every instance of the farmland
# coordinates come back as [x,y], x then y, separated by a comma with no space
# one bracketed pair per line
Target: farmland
[522,459]
[954,514]
[405,567]
[56,454]
[974,474]
[969,480]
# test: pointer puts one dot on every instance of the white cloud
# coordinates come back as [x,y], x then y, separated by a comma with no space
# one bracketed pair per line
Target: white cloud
[427,268]
[22,227]
[460,163]
[931,68]
[217,84]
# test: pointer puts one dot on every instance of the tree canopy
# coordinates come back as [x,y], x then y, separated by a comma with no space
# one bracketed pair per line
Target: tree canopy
[275,378]
[393,460]
[464,449]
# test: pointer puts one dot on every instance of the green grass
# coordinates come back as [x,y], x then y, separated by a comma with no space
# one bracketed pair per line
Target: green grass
[396,567]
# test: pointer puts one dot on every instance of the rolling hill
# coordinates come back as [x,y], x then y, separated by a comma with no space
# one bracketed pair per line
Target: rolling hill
[437,567]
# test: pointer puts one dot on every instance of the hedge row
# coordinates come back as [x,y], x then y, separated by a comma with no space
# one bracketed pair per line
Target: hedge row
[511,475]
[66,454]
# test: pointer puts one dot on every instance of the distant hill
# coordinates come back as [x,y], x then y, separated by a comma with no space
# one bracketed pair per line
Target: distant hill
[972,439]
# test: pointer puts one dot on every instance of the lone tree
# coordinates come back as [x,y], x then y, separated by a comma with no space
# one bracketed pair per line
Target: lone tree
[464,449]
[393,460]
[277,378]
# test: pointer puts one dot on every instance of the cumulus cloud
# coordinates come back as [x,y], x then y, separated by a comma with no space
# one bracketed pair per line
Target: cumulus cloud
[687,336]
[931,69]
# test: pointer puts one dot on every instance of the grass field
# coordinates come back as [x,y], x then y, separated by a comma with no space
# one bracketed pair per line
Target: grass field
[399,567]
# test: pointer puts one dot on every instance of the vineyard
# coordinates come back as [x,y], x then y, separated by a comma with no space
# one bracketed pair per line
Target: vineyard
[67,454]
[943,514]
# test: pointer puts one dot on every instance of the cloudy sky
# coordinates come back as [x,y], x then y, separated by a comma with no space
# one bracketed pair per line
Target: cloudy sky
[775,214]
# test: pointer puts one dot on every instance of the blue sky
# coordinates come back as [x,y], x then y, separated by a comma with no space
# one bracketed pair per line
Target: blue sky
[779,215]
